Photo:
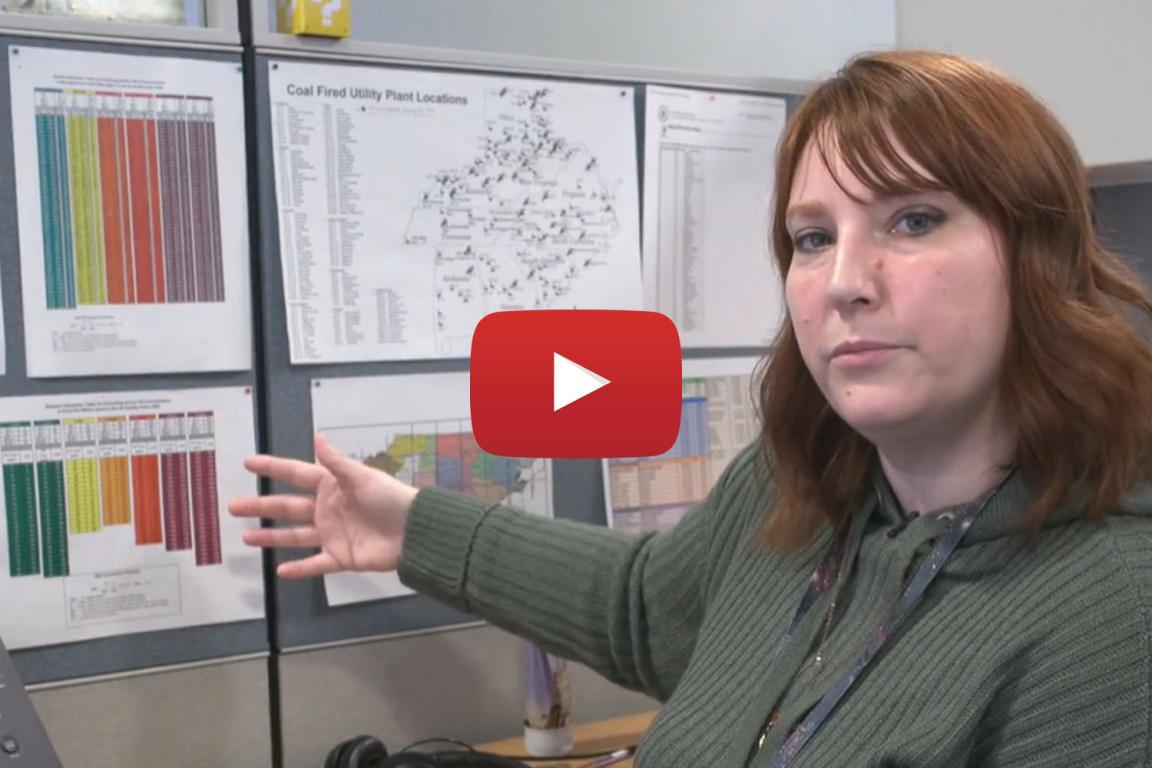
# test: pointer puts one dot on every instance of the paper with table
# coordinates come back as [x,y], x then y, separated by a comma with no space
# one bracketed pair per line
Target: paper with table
[132,210]
[114,513]
[709,165]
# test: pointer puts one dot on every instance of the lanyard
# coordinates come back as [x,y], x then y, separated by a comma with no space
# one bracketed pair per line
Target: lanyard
[822,578]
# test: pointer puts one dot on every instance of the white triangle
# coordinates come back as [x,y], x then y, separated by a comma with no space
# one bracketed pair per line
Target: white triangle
[571,381]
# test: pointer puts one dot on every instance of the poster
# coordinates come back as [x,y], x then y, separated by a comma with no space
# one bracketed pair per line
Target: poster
[132,210]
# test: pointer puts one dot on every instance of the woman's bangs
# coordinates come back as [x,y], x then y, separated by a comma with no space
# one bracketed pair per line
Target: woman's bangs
[868,146]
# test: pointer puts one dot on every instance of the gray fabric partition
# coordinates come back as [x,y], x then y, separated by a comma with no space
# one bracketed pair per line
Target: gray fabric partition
[302,616]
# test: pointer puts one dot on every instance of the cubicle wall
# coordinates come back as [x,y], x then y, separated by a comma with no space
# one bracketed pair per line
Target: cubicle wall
[1122,214]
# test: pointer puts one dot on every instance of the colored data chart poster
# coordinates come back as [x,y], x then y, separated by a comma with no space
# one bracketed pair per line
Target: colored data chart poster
[717,420]
[413,203]
[709,169]
[417,428]
[130,189]
[114,514]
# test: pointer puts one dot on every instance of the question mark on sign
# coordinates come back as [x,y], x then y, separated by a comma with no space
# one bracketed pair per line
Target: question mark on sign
[329,8]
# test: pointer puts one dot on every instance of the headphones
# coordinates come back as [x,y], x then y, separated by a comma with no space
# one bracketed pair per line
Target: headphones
[369,752]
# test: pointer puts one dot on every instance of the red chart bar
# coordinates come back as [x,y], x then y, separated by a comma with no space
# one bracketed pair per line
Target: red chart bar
[112,187]
[143,225]
[171,148]
[155,210]
[174,482]
[207,250]
[146,479]
[127,234]
[205,508]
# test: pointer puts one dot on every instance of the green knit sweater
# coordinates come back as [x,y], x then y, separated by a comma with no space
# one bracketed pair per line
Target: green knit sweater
[1021,654]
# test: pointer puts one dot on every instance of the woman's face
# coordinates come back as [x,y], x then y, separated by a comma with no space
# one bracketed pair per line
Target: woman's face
[900,304]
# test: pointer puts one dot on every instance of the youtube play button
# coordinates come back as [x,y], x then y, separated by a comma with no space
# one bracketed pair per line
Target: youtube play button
[575,383]
[570,381]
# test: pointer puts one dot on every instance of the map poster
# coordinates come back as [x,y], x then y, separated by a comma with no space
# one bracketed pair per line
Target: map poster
[413,203]
[417,428]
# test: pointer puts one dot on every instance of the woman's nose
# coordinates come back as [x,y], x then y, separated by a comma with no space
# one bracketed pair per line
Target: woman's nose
[856,268]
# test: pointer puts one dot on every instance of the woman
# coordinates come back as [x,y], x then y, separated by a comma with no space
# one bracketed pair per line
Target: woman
[940,552]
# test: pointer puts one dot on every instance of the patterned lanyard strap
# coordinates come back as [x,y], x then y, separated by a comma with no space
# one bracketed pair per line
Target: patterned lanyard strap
[823,577]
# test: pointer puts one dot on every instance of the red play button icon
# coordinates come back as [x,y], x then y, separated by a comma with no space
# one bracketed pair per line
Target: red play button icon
[581,383]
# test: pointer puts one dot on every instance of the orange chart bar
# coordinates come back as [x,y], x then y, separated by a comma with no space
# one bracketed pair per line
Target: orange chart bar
[115,492]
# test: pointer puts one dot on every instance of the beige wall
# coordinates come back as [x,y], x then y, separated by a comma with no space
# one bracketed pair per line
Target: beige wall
[195,717]
[1090,61]
[465,683]
[764,39]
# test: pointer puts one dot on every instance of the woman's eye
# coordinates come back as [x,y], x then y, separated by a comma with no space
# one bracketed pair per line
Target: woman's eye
[811,241]
[918,222]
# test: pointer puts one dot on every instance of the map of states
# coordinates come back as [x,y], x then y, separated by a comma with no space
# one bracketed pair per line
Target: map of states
[521,225]
[445,454]
[452,460]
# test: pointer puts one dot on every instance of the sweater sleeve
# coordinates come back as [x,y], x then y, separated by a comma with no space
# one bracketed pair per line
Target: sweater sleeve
[628,607]
[1086,698]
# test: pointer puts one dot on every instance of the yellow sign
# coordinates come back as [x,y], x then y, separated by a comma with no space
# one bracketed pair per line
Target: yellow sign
[327,18]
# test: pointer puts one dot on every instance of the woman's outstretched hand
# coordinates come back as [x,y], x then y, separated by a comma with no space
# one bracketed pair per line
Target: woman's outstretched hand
[353,513]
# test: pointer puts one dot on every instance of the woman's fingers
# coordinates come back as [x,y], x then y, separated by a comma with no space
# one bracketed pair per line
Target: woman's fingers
[285,507]
[299,537]
[298,474]
[308,567]
[327,456]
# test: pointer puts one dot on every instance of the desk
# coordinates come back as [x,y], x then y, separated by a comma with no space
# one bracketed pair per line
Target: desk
[601,736]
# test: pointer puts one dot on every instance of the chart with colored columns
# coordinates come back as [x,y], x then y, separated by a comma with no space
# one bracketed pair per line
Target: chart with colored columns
[81,476]
[653,493]
[129,197]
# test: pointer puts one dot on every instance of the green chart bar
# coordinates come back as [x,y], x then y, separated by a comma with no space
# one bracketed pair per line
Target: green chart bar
[53,510]
[20,498]
[55,203]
